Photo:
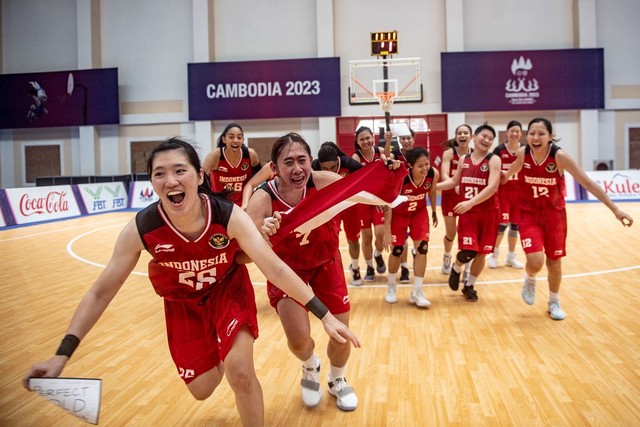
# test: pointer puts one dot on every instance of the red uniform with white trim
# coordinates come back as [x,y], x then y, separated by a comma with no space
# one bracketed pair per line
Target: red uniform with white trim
[314,256]
[543,216]
[413,213]
[232,177]
[478,227]
[449,198]
[508,193]
[207,296]
[369,215]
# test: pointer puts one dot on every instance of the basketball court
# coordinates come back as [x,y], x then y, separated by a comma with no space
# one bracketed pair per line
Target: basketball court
[494,362]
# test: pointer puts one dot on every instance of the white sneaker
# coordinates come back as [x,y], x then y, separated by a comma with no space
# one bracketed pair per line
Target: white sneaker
[345,394]
[311,393]
[513,262]
[417,297]
[391,297]
[492,261]
[529,291]
[446,264]
[555,312]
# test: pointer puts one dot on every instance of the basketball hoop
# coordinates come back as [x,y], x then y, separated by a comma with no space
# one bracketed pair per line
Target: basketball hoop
[386,100]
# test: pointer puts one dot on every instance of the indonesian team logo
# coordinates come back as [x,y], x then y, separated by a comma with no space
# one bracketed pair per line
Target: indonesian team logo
[218,241]
[551,167]
[484,167]
[427,185]
[244,166]
[522,89]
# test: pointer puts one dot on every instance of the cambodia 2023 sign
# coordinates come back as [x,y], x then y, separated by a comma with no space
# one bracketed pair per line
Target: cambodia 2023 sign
[264,89]
[59,98]
[563,79]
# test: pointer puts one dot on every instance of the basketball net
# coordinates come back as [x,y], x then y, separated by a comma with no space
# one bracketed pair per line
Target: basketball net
[386,100]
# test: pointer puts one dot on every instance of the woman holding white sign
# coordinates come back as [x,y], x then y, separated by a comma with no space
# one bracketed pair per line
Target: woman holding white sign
[194,237]
[543,217]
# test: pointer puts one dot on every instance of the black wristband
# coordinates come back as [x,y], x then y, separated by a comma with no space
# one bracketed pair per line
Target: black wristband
[316,307]
[68,345]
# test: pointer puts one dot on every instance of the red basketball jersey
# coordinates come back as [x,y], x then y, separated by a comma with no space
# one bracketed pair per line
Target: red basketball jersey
[303,251]
[475,178]
[542,186]
[417,194]
[507,158]
[232,177]
[182,268]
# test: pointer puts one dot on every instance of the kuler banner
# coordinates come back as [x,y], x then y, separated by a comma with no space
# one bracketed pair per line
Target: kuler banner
[264,89]
[59,98]
[563,79]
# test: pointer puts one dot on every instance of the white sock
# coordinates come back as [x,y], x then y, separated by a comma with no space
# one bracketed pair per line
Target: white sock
[404,264]
[354,264]
[312,362]
[392,278]
[456,268]
[530,279]
[336,372]
[376,253]
[417,283]
[553,297]
[369,262]
[471,280]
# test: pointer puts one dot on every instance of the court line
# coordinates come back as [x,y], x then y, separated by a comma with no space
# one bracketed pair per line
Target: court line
[55,231]
[384,285]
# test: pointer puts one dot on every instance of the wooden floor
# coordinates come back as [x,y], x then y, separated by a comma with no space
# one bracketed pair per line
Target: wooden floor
[495,362]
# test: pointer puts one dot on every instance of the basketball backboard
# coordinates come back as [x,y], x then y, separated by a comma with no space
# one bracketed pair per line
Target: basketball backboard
[371,77]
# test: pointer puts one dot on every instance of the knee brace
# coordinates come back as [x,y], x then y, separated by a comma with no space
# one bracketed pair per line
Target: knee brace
[513,231]
[502,228]
[423,247]
[464,256]
[397,250]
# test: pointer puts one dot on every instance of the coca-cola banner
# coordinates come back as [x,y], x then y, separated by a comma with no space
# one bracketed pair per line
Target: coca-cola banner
[264,89]
[103,197]
[35,204]
[563,79]
[60,98]
[619,185]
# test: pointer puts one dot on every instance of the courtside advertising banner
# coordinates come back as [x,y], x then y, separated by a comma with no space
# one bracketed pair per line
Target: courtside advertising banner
[36,204]
[60,98]
[619,185]
[141,194]
[103,197]
[562,79]
[264,89]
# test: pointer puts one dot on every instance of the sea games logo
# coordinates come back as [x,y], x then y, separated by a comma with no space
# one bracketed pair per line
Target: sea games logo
[53,202]
[522,90]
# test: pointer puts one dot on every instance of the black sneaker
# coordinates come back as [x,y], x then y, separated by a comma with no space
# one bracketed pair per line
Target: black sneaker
[454,280]
[470,294]
[356,280]
[370,275]
[404,275]
[380,267]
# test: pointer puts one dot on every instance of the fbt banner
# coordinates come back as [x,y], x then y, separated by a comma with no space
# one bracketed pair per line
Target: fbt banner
[562,79]
[36,204]
[60,98]
[103,197]
[619,185]
[264,89]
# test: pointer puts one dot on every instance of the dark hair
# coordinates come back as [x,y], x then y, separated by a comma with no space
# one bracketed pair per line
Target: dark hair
[450,143]
[284,140]
[226,129]
[485,126]
[329,152]
[358,132]
[513,123]
[176,143]
[414,154]
[547,124]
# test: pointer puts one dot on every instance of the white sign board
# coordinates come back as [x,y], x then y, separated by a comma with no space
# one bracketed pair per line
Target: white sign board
[619,185]
[78,396]
[103,197]
[34,204]
[141,194]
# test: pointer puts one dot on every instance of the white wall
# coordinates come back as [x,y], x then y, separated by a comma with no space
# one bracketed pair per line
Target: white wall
[151,41]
